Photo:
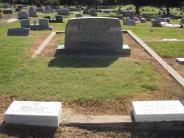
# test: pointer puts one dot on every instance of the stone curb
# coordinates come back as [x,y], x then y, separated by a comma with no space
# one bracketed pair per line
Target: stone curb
[166,66]
[43,45]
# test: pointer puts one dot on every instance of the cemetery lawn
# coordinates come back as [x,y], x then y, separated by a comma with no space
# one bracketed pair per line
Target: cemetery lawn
[79,78]
[153,35]
[72,78]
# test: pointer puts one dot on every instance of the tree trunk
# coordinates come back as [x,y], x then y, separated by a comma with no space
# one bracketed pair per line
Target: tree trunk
[137,9]
[168,10]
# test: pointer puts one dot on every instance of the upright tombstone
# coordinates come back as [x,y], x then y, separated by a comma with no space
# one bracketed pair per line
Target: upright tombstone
[47,114]
[156,23]
[59,18]
[7,11]
[25,23]
[63,11]
[32,13]
[93,12]
[95,34]
[23,15]
[182,21]
[44,24]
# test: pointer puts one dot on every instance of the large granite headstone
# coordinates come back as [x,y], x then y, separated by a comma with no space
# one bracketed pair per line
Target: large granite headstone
[94,33]
[156,111]
[23,15]
[18,32]
[32,113]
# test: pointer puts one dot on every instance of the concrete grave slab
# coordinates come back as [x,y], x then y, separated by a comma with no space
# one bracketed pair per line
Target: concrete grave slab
[33,113]
[158,111]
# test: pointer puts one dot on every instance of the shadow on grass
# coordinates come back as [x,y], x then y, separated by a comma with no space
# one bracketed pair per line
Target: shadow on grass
[22,131]
[82,61]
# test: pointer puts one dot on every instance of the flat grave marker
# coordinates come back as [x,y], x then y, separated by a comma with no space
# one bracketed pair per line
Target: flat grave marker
[158,111]
[33,113]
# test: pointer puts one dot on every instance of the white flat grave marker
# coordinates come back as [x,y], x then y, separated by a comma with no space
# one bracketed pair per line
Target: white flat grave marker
[34,113]
[180,60]
[157,111]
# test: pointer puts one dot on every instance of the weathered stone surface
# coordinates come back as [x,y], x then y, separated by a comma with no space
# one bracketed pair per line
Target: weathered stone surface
[25,23]
[129,22]
[155,111]
[23,15]
[63,11]
[34,113]
[93,33]
[18,32]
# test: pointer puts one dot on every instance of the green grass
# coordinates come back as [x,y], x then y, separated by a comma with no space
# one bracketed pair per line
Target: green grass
[80,78]
[68,78]
[168,49]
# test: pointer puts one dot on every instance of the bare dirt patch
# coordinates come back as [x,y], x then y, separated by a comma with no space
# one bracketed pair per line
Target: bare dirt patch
[36,44]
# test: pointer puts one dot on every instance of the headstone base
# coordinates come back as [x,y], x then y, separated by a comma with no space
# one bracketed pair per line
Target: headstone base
[125,51]
[37,27]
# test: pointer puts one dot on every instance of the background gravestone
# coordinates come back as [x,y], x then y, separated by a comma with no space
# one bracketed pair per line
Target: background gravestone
[18,32]
[23,15]
[32,13]
[92,12]
[156,23]
[7,11]
[63,11]
[129,22]
[25,23]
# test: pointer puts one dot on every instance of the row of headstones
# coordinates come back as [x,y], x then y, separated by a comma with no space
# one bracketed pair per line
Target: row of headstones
[49,114]
[26,27]
[158,21]
[26,15]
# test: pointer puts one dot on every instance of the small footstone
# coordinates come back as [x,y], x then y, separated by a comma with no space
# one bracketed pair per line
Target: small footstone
[32,113]
[180,60]
[158,111]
